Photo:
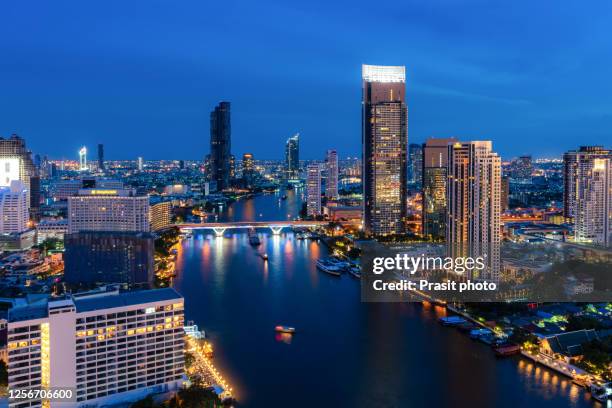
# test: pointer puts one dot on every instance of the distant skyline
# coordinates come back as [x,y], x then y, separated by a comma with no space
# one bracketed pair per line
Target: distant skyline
[141,78]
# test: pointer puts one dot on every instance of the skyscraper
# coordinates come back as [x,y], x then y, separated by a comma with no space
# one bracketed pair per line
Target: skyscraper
[473,226]
[248,169]
[101,157]
[83,159]
[588,193]
[16,164]
[331,184]
[313,189]
[575,163]
[435,162]
[415,166]
[292,157]
[13,208]
[220,145]
[384,142]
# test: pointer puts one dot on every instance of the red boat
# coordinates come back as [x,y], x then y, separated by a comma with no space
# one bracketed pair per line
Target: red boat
[507,350]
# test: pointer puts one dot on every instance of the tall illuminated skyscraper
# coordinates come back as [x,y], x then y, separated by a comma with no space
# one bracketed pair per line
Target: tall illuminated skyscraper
[435,162]
[220,145]
[83,159]
[331,184]
[588,193]
[473,225]
[313,189]
[292,157]
[16,164]
[415,166]
[384,142]
[13,208]
[100,157]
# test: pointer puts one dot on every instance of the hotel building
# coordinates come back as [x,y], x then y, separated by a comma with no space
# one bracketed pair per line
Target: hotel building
[313,189]
[14,214]
[108,210]
[331,183]
[107,347]
[384,142]
[292,158]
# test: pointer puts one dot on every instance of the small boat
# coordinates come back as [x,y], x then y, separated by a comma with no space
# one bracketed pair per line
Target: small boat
[253,238]
[477,333]
[507,349]
[601,393]
[466,327]
[284,329]
[329,268]
[264,256]
[355,271]
[452,320]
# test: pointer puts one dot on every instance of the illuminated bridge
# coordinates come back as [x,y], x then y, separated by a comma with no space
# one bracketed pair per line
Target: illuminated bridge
[276,226]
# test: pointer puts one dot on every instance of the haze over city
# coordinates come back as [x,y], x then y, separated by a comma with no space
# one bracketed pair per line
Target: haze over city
[142,77]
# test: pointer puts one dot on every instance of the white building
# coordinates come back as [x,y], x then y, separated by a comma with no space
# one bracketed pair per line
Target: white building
[313,189]
[474,203]
[47,229]
[594,201]
[108,210]
[331,184]
[108,347]
[14,213]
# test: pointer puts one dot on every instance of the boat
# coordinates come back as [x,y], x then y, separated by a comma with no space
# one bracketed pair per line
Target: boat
[466,327]
[476,333]
[253,238]
[355,271]
[452,320]
[601,393]
[507,349]
[284,329]
[327,267]
[264,256]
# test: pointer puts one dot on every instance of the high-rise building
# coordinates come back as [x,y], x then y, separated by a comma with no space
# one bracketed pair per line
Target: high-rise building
[13,208]
[160,214]
[140,163]
[83,159]
[107,347]
[62,189]
[331,183]
[521,169]
[575,163]
[109,257]
[384,140]
[16,164]
[248,169]
[101,157]
[313,189]
[292,157]
[435,162]
[220,145]
[505,193]
[415,166]
[588,193]
[473,225]
[97,209]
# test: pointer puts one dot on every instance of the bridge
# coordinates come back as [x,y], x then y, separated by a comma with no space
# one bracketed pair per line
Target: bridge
[276,226]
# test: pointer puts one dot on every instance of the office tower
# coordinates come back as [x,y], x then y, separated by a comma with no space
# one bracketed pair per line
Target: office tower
[181,164]
[505,193]
[292,157]
[83,159]
[588,193]
[435,162]
[109,257]
[16,164]
[473,225]
[313,189]
[160,214]
[108,347]
[220,145]
[13,208]
[573,168]
[97,209]
[248,169]
[331,184]
[101,157]
[384,141]
[415,166]
[140,164]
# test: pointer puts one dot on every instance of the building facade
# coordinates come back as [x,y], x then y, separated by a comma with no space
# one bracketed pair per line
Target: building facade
[384,141]
[107,347]
[473,225]
[14,214]
[108,210]
[415,166]
[313,190]
[435,162]
[331,183]
[160,214]
[109,257]
[220,145]
[16,164]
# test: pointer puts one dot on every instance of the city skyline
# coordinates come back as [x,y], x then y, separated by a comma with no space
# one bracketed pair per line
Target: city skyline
[135,90]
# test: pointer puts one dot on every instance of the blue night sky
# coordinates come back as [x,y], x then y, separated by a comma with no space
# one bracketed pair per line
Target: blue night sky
[142,77]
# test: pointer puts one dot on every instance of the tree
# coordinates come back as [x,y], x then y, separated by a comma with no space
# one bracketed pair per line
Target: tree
[3,374]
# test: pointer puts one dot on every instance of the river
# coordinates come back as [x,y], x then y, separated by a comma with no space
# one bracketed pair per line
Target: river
[344,353]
